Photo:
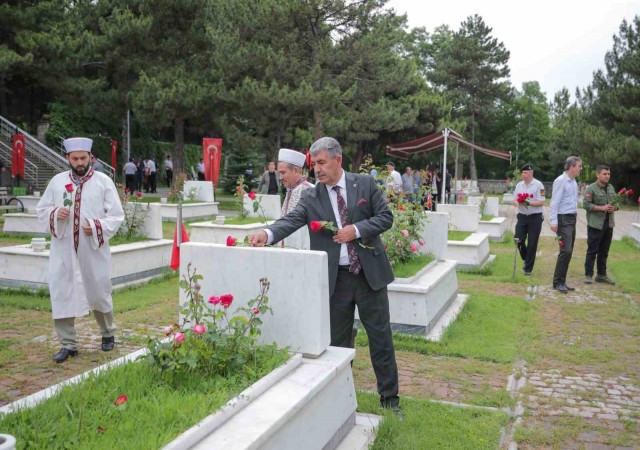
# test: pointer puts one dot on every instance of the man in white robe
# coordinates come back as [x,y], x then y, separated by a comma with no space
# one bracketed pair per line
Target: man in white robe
[82,211]
[290,163]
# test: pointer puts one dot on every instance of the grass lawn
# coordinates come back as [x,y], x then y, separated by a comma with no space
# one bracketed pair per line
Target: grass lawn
[458,235]
[430,425]
[411,267]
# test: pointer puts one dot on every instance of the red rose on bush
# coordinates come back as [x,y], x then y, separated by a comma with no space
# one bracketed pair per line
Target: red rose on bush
[226,300]
[252,195]
[214,300]
[139,194]
[231,241]
[256,310]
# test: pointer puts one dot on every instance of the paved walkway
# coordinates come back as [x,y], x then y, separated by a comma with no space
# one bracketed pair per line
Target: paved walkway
[624,219]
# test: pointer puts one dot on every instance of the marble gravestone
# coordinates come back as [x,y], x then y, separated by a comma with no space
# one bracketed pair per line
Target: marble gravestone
[298,294]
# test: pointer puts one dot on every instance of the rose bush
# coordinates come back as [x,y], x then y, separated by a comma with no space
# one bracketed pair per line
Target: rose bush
[210,341]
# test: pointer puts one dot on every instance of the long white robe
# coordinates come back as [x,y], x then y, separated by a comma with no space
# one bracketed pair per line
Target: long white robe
[300,238]
[80,281]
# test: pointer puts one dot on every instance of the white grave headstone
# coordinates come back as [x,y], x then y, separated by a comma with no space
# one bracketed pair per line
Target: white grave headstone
[202,190]
[491,208]
[434,231]
[270,204]
[461,217]
[298,294]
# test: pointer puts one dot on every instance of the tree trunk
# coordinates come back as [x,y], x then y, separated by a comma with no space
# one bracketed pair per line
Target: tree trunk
[4,112]
[473,172]
[356,160]
[178,160]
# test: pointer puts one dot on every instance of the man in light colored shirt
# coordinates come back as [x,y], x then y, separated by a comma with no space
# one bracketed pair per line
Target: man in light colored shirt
[529,216]
[407,183]
[394,180]
[562,217]
[130,170]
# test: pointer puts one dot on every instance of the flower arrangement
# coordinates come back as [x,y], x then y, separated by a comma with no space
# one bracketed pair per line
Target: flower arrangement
[523,199]
[134,214]
[210,341]
[402,241]
[622,193]
[241,189]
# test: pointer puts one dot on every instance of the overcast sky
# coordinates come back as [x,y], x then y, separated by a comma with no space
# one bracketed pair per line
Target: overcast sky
[555,42]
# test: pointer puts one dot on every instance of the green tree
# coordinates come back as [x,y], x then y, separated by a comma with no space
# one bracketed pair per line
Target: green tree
[470,69]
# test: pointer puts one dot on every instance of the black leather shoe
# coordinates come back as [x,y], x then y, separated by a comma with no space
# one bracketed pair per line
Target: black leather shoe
[108,343]
[562,288]
[395,409]
[569,287]
[64,354]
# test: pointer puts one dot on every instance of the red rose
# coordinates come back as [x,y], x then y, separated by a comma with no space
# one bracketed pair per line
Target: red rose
[226,300]
[231,241]
[561,244]
[630,192]
[252,195]
[139,194]
[362,201]
[315,226]
[256,311]
[622,191]
[120,400]
[400,208]
[69,187]
[214,300]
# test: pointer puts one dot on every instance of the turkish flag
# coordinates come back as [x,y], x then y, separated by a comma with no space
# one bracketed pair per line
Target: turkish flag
[114,152]
[17,156]
[175,253]
[307,158]
[212,156]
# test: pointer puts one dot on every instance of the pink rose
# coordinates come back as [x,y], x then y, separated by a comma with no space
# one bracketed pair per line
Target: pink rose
[421,241]
[256,311]
[231,241]
[178,337]
[120,400]
[405,233]
[414,247]
[252,195]
[214,300]
[226,300]
[168,331]
[199,329]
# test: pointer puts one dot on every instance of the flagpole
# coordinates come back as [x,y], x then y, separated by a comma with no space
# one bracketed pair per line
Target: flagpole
[179,221]
[445,132]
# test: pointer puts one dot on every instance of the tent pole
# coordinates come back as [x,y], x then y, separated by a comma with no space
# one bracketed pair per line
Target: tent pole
[445,133]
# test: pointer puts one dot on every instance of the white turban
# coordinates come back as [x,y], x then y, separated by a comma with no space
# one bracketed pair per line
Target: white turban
[77,144]
[291,156]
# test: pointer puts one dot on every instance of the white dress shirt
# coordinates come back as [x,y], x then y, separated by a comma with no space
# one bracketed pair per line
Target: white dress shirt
[333,198]
[564,198]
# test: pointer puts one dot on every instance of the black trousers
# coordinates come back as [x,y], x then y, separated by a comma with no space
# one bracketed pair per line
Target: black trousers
[373,308]
[153,181]
[169,177]
[598,244]
[567,233]
[130,182]
[528,230]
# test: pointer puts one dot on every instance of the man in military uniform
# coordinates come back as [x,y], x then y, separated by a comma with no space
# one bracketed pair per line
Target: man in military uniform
[600,222]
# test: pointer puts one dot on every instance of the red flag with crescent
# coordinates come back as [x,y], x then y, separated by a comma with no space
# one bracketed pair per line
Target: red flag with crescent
[307,158]
[212,156]
[114,152]
[17,156]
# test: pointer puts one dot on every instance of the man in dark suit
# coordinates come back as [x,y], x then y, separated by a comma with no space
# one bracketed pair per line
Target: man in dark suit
[359,270]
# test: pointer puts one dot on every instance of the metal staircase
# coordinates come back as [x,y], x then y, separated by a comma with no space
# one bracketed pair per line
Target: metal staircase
[41,162]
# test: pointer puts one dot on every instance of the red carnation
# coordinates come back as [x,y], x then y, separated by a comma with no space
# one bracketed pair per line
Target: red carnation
[69,187]
[315,226]
[226,300]
[231,241]
[252,195]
